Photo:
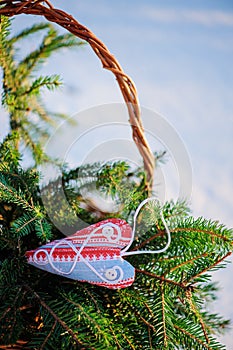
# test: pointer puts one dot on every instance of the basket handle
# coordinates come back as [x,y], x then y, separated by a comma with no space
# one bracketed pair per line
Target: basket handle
[127,87]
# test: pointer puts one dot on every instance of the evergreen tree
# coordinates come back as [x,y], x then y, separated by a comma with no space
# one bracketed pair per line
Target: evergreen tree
[165,308]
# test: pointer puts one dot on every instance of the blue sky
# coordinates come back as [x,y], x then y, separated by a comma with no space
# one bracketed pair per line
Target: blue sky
[180,56]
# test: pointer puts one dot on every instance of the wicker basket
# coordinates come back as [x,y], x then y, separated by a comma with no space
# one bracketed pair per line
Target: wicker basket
[127,87]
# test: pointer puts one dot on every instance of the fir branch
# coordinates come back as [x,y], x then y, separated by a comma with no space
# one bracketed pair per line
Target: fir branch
[50,82]
[43,229]
[198,315]
[37,131]
[184,263]
[140,317]
[163,279]
[21,95]
[47,117]
[35,147]
[23,226]
[115,338]
[10,194]
[217,262]
[150,339]
[195,338]
[93,299]
[163,314]
[91,319]
[28,31]
[160,233]
[51,43]
[8,309]
[213,229]
[57,318]
[49,335]
[129,342]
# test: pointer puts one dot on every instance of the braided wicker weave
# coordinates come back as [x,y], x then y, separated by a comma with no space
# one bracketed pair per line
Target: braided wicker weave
[127,87]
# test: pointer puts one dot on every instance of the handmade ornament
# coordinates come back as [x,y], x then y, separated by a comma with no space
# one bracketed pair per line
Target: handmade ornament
[94,254]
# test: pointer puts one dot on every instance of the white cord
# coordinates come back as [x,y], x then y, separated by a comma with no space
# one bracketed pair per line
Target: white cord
[136,252]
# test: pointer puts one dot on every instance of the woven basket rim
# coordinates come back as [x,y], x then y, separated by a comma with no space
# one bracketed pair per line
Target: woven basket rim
[127,87]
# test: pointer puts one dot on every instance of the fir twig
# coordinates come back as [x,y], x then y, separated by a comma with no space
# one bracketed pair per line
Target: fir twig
[163,314]
[74,336]
[197,340]
[197,313]
[209,268]
[203,231]
[186,262]
[163,279]
[49,335]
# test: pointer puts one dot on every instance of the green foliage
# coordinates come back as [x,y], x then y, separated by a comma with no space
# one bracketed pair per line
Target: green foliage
[165,308]
[29,119]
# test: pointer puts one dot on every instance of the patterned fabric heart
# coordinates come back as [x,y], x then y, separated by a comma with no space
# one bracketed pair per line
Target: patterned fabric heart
[91,255]
[94,254]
